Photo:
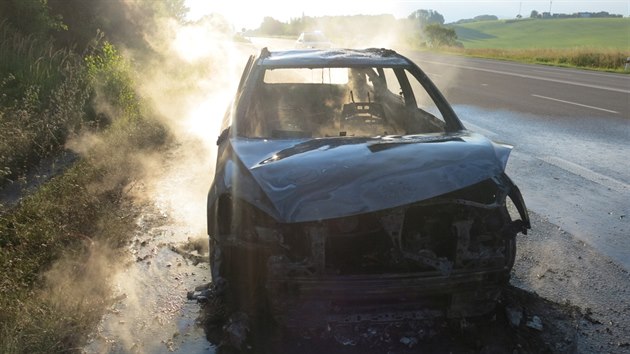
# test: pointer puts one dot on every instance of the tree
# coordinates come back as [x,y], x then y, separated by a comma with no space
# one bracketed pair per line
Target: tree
[31,17]
[123,22]
[485,18]
[534,14]
[175,8]
[271,26]
[426,17]
[438,35]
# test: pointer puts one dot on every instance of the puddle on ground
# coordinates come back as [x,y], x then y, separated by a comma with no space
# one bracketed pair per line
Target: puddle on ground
[152,314]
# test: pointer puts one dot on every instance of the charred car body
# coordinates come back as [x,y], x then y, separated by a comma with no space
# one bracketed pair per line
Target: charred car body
[346,190]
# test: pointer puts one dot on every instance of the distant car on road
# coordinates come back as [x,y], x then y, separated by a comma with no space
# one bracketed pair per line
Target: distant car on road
[314,40]
[346,189]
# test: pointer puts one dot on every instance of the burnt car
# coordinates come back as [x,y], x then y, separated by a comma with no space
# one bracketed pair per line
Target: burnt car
[346,189]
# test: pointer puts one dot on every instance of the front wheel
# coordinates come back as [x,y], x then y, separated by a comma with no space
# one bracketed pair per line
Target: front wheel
[510,257]
[245,272]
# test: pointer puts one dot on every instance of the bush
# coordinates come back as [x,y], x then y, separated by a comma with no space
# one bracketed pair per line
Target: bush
[110,76]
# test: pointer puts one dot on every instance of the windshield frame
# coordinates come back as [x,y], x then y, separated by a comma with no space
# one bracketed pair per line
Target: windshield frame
[256,78]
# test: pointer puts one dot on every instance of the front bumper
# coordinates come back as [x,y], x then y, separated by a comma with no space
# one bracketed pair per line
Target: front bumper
[313,302]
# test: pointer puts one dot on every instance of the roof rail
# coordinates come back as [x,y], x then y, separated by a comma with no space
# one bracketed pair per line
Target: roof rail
[382,51]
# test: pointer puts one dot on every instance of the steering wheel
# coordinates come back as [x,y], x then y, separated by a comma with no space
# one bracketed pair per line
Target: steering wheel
[368,112]
[363,118]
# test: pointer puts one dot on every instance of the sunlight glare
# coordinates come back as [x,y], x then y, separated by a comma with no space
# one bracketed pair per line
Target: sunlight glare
[194,42]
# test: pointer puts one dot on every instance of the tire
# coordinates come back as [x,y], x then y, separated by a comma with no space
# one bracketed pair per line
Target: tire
[245,271]
[510,257]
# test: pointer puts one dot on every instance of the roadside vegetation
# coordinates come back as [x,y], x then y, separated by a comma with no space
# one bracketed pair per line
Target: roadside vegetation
[58,243]
[587,58]
[43,95]
[569,33]
[590,43]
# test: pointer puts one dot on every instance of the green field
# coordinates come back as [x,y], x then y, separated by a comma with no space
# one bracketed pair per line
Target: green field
[601,33]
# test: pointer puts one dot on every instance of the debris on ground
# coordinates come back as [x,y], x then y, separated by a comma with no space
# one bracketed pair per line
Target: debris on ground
[516,326]
[194,257]
[535,323]
[514,315]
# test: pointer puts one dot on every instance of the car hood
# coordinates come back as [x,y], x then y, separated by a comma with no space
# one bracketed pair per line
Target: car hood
[316,179]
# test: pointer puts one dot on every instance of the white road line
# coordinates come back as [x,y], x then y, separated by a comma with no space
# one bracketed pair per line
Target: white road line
[544,68]
[531,77]
[576,104]
[584,172]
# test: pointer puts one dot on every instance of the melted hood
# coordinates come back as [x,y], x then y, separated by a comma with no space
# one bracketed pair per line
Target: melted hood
[316,179]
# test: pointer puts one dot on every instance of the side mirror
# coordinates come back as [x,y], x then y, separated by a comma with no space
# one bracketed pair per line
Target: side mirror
[224,134]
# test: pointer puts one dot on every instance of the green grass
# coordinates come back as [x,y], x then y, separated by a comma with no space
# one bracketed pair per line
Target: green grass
[595,33]
[57,244]
[49,305]
[590,43]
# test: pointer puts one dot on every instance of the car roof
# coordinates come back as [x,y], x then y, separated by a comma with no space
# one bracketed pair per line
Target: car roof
[331,58]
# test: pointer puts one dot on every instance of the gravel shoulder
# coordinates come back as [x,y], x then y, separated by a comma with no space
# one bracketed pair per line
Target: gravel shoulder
[559,268]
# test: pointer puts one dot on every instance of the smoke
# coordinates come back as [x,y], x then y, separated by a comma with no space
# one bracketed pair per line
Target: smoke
[189,83]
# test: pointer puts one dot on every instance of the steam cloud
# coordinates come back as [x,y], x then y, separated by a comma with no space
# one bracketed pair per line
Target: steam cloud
[189,84]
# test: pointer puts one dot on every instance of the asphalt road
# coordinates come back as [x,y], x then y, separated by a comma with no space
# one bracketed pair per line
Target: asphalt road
[570,130]
[533,89]
[571,135]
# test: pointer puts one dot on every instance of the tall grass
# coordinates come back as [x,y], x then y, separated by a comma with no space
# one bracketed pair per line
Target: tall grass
[588,58]
[43,95]
[32,61]
[59,245]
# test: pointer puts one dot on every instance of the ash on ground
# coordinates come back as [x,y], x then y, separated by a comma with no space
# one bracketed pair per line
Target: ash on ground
[522,323]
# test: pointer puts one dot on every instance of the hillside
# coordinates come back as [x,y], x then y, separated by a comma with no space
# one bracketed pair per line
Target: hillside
[605,33]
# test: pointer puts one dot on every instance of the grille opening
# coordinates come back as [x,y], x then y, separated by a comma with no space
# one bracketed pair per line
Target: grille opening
[366,253]
[460,237]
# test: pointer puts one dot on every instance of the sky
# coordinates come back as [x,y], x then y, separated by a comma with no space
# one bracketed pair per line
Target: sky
[250,13]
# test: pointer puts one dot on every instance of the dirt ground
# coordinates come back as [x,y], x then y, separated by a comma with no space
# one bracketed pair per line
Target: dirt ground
[561,269]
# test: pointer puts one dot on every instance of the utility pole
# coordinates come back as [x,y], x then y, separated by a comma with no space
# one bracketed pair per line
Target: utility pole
[550,2]
[520,7]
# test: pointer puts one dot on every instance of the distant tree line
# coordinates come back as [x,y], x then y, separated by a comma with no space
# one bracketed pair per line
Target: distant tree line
[548,15]
[422,27]
[477,19]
